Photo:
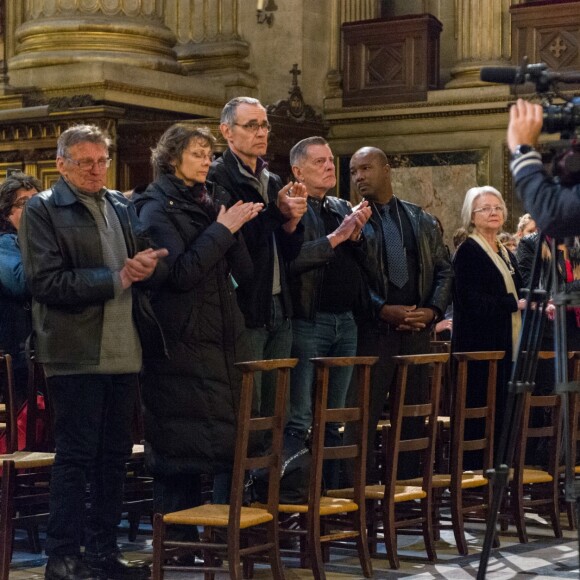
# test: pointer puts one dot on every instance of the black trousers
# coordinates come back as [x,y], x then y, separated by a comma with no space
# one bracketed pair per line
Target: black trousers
[92,430]
[385,342]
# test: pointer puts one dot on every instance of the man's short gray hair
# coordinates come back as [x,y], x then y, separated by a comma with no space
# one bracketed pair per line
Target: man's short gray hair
[81,134]
[299,152]
[229,111]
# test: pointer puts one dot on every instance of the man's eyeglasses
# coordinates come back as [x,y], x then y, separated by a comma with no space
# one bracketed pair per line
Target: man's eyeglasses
[487,209]
[254,126]
[88,164]
[20,203]
[201,155]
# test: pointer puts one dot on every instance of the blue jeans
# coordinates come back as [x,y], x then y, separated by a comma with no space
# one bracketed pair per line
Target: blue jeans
[270,342]
[327,335]
[92,430]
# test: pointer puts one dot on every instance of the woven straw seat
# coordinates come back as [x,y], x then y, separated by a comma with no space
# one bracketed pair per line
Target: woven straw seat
[328,506]
[217,515]
[377,492]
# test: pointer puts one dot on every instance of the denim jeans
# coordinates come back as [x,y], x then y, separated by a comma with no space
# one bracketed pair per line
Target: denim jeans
[271,342]
[92,430]
[328,334]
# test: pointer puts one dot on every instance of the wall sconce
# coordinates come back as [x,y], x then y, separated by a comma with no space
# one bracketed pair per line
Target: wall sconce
[265,12]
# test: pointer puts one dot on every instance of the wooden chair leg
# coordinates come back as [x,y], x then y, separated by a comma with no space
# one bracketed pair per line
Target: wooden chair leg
[518,513]
[158,548]
[458,524]
[390,538]
[362,544]
[6,514]
[428,536]
[315,549]
[275,560]
[555,511]
[234,561]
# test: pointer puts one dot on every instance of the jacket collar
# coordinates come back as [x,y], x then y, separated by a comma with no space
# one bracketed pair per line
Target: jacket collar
[63,193]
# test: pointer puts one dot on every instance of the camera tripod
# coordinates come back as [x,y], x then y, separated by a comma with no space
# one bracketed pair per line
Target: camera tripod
[522,381]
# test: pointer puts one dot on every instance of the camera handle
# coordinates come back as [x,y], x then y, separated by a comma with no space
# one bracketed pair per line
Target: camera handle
[522,381]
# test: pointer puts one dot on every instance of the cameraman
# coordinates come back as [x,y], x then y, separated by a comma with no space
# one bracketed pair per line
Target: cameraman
[555,207]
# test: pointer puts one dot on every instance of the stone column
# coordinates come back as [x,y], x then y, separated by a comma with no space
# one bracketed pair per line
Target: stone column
[209,41]
[344,11]
[483,35]
[59,32]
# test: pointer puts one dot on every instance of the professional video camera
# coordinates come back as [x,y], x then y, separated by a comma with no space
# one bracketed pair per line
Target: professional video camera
[563,118]
[558,118]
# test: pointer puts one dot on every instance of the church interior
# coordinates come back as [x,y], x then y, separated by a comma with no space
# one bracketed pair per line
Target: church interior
[400,75]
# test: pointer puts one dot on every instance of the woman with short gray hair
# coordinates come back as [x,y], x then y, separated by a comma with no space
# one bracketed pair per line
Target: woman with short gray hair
[486,301]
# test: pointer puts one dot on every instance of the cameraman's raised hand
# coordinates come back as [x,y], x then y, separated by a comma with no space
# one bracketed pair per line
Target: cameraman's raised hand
[525,124]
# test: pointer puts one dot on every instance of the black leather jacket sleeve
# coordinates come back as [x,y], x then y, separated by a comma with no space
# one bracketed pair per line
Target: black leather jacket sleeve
[53,258]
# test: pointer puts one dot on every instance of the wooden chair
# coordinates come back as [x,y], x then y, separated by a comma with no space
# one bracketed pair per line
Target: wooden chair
[24,483]
[319,522]
[8,410]
[532,488]
[384,502]
[38,439]
[234,517]
[469,491]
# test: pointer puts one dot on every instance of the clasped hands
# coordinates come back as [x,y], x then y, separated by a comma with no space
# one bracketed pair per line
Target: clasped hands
[407,317]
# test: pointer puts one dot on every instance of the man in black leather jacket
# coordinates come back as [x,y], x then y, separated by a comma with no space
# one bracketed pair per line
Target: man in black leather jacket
[401,317]
[82,255]
[326,285]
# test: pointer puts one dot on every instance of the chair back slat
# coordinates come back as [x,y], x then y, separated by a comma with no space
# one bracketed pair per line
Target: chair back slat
[426,413]
[244,458]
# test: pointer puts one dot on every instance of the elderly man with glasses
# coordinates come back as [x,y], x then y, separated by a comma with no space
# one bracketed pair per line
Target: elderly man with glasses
[273,238]
[85,261]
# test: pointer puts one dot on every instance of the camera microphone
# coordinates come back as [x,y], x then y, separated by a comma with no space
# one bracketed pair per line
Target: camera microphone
[515,75]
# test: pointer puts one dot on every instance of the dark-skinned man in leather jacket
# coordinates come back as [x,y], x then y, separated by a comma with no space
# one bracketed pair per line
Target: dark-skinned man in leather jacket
[402,314]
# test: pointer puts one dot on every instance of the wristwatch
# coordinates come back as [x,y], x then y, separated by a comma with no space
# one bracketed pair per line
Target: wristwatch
[521,150]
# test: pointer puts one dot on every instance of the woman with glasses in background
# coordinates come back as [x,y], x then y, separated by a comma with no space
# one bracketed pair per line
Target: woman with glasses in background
[191,398]
[15,316]
[486,300]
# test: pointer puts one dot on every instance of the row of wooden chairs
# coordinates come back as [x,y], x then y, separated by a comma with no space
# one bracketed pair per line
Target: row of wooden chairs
[375,513]
[377,508]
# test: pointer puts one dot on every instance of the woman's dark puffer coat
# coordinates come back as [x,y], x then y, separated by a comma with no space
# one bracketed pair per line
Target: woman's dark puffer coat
[191,399]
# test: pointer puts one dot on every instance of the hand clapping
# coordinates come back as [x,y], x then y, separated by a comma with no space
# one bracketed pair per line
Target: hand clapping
[236,216]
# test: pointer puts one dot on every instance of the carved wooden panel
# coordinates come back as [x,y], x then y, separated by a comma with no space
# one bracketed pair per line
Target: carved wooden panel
[547,32]
[390,60]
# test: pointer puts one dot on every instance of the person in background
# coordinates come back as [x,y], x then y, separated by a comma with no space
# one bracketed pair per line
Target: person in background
[526,225]
[15,316]
[486,300]
[273,238]
[510,241]
[459,236]
[191,399]
[410,287]
[86,259]
[327,289]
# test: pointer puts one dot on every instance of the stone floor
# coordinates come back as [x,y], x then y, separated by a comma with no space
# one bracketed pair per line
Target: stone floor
[543,557]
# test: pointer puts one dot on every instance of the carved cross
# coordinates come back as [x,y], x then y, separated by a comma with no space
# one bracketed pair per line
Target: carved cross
[558,47]
[295,71]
